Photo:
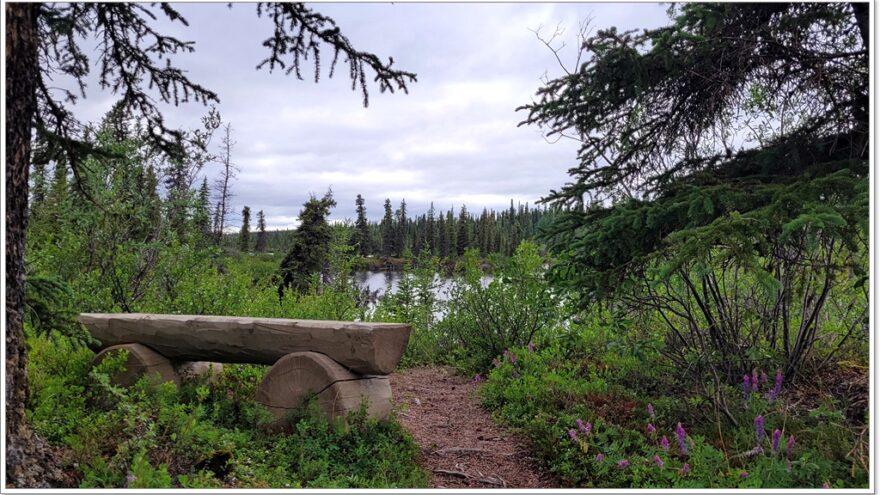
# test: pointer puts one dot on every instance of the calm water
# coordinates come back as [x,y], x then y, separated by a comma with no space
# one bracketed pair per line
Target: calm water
[380,281]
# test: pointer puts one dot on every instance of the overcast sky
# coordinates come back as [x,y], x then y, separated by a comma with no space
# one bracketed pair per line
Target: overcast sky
[452,140]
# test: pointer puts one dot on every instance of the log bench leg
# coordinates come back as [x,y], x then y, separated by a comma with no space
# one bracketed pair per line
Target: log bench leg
[299,375]
[141,361]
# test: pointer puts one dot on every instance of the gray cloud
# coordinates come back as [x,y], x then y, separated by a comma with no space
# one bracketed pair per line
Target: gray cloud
[454,139]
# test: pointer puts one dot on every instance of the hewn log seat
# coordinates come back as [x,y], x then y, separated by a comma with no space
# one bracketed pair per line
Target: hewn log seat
[341,363]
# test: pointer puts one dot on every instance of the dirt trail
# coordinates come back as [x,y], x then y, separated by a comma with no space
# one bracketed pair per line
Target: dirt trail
[462,447]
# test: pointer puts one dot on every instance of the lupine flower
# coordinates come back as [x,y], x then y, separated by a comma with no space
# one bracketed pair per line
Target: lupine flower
[600,457]
[680,435]
[743,474]
[495,362]
[664,443]
[572,435]
[789,447]
[515,374]
[531,347]
[651,429]
[686,468]
[763,377]
[775,439]
[623,463]
[478,378]
[512,358]
[130,478]
[658,461]
[826,485]
[747,385]
[777,386]
[650,410]
[754,380]
[584,427]
[759,428]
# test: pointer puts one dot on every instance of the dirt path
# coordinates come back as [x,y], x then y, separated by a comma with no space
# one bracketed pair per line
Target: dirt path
[462,447]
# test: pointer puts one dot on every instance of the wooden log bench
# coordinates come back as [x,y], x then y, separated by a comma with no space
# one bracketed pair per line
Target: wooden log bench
[340,363]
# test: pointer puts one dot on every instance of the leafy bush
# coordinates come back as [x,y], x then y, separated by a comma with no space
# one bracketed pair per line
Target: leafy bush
[511,310]
[589,426]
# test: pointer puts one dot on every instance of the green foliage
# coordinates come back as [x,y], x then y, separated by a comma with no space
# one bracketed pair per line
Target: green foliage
[159,436]
[587,376]
[510,310]
[309,245]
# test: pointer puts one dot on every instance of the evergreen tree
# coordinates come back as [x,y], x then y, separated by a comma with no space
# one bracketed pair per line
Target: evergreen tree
[677,200]
[262,240]
[202,214]
[451,245]
[244,235]
[400,237]
[387,230]
[361,235]
[310,245]
[443,237]
[431,231]
[462,239]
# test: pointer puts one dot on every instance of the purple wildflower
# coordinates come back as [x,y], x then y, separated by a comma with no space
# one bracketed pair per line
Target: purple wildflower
[680,435]
[826,485]
[495,363]
[515,374]
[531,347]
[650,410]
[573,435]
[651,429]
[623,463]
[600,457]
[512,358]
[743,474]
[763,377]
[747,385]
[130,478]
[658,461]
[789,447]
[584,427]
[775,439]
[759,428]
[664,443]
[478,378]
[777,386]
[686,468]
[754,380]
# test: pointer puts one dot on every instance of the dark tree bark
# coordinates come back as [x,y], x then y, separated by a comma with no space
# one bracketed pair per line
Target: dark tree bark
[26,459]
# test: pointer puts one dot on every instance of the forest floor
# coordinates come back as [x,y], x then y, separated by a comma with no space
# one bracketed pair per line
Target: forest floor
[461,446]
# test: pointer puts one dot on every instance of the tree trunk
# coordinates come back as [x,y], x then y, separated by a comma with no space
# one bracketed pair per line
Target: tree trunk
[26,456]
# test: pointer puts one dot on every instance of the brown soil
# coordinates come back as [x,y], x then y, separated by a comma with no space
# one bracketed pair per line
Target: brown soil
[462,447]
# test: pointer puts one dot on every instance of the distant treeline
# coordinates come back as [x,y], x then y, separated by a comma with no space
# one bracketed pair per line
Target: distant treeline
[446,234]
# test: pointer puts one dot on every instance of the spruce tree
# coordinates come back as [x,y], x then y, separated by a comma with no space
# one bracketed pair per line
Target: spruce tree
[677,199]
[244,235]
[387,230]
[310,246]
[262,237]
[361,235]
[202,214]
[443,249]
[431,231]
[462,239]
[450,234]
[400,234]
